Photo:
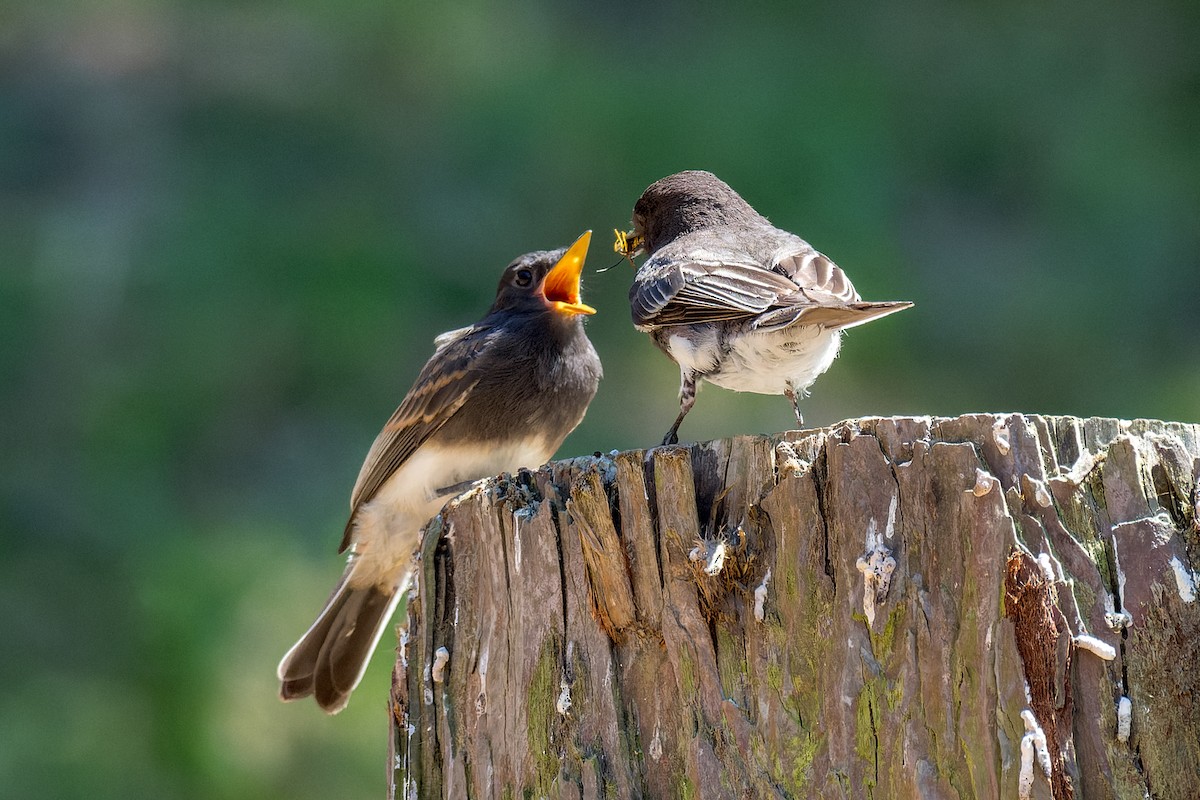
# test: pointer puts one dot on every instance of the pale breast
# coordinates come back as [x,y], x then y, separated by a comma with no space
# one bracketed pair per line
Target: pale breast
[696,348]
[387,527]
[769,362]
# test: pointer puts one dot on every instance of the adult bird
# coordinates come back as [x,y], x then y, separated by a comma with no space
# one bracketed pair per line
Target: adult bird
[732,299]
[498,395]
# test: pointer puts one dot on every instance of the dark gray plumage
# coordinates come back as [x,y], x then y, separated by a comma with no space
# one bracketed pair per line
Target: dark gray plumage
[732,299]
[498,395]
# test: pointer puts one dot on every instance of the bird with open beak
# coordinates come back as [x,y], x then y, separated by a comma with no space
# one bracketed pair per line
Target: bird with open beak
[732,299]
[498,395]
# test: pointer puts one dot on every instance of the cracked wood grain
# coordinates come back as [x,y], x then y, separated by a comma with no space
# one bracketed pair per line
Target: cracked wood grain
[929,580]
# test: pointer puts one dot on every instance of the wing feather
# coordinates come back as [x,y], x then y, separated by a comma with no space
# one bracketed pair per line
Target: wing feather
[713,286]
[821,280]
[444,384]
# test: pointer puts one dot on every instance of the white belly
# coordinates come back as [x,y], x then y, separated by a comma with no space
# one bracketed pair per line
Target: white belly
[770,362]
[387,528]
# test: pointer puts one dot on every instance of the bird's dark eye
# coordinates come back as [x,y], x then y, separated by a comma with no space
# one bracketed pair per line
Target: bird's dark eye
[524,277]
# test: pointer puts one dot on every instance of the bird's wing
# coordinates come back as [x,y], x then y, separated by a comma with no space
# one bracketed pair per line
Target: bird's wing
[678,286]
[815,274]
[445,383]
[825,295]
[703,287]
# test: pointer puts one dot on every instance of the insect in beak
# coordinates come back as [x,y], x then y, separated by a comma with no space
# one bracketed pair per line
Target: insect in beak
[628,244]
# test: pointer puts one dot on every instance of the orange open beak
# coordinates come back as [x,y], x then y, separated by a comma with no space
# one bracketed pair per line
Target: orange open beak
[561,284]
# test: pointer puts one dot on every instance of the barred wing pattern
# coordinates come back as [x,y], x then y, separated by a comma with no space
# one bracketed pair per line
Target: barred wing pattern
[712,286]
[440,390]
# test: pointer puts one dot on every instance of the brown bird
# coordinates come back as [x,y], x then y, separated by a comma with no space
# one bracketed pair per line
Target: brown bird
[732,299]
[498,395]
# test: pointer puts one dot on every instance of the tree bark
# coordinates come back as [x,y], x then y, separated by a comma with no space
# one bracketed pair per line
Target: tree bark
[985,606]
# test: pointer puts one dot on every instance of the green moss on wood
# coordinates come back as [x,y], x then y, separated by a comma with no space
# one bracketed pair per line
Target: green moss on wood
[894,695]
[731,664]
[687,674]
[684,788]
[883,643]
[866,741]
[802,751]
[541,712]
[790,585]
[775,678]
[1084,596]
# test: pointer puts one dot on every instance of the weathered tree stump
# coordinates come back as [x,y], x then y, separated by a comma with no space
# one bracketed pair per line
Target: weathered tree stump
[987,606]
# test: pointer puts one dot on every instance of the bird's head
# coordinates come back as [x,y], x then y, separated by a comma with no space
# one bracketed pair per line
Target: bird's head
[546,279]
[678,204]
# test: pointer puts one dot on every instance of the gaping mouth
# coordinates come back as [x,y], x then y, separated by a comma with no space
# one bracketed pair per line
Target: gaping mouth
[560,287]
[628,244]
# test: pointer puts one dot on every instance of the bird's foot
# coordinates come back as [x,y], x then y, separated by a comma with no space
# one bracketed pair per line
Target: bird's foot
[794,397]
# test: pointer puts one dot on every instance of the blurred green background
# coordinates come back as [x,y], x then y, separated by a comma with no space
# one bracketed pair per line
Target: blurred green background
[230,231]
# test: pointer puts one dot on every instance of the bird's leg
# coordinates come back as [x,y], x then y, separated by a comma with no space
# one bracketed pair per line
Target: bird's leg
[687,399]
[794,396]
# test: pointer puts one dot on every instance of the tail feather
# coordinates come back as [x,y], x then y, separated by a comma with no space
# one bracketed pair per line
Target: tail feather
[829,316]
[331,657]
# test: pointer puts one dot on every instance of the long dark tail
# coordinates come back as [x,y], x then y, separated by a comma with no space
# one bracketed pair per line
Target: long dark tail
[331,657]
